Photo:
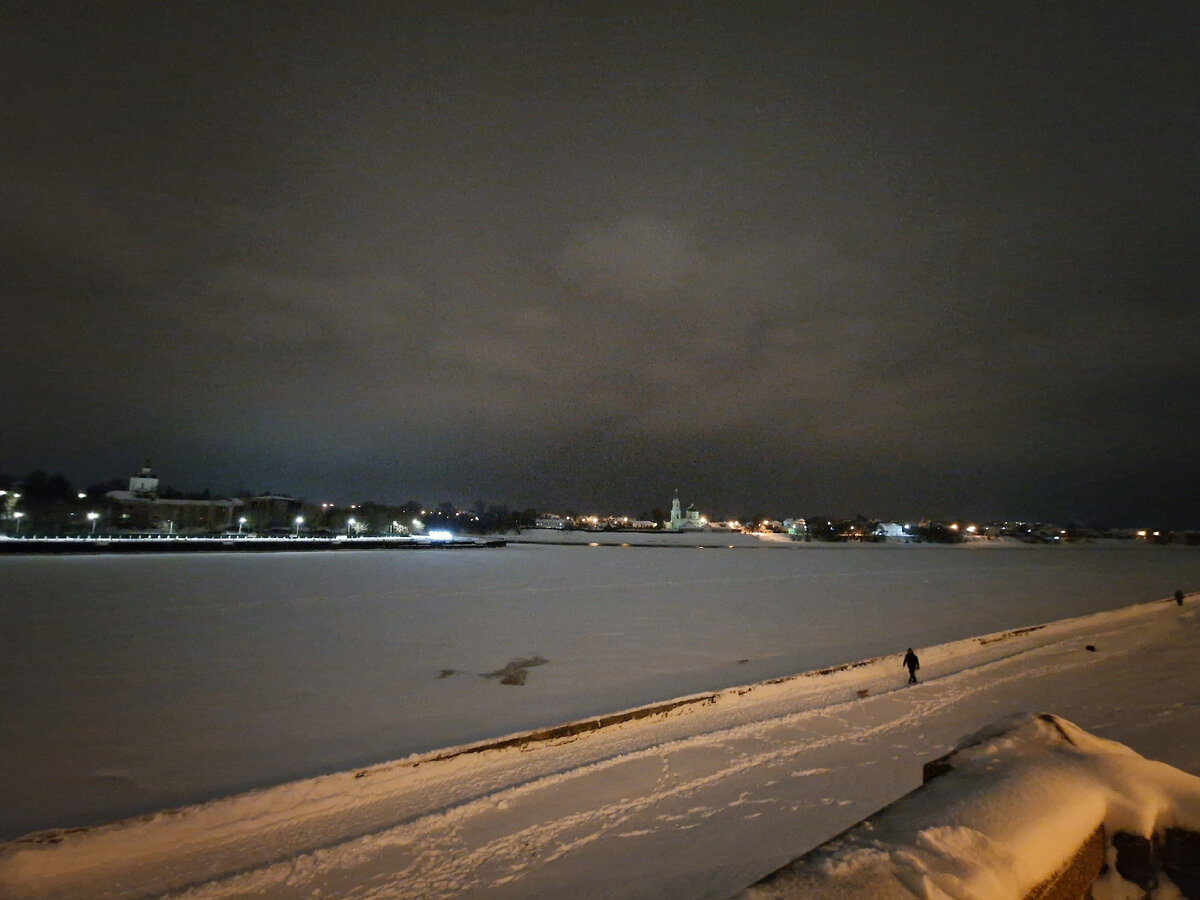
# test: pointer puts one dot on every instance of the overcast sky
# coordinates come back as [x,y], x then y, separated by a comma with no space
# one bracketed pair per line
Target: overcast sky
[894,258]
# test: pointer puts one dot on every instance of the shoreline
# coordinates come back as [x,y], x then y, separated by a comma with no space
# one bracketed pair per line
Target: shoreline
[740,541]
[188,544]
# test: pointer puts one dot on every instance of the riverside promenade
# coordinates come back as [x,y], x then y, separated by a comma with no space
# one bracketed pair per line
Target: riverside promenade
[121,544]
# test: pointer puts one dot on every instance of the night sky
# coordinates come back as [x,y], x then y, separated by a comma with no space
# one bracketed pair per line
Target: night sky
[894,258]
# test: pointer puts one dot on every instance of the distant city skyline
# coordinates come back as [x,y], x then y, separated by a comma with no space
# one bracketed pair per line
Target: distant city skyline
[146,482]
[933,259]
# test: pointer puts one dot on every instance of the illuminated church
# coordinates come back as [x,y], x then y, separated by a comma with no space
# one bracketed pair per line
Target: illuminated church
[685,519]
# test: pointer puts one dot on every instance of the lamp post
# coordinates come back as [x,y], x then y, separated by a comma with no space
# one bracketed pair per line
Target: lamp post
[241,522]
[92,517]
[18,516]
[350,523]
[299,522]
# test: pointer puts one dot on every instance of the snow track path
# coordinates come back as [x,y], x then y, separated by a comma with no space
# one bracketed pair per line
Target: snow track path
[697,801]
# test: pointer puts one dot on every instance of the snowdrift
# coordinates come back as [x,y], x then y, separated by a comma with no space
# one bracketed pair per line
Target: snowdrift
[1033,807]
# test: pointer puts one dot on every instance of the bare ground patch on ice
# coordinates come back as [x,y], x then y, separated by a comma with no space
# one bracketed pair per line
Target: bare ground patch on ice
[516,670]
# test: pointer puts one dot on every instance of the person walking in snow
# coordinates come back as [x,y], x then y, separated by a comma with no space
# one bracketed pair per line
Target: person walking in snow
[912,664]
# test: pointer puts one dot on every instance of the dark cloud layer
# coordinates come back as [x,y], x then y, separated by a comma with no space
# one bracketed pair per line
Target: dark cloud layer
[788,258]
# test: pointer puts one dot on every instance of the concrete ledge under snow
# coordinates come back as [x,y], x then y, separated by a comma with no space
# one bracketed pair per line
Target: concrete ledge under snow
[1032,807]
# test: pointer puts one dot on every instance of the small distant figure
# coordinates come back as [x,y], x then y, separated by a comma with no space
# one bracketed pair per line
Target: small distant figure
[912,664]
[1179,598]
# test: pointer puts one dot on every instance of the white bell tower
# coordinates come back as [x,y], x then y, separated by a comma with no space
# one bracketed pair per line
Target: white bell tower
[144,483]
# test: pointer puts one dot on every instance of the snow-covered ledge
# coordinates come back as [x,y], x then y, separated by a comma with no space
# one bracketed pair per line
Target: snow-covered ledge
[1031,807]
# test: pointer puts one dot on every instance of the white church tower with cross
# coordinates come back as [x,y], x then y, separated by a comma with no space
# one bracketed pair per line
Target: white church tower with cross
[685,519]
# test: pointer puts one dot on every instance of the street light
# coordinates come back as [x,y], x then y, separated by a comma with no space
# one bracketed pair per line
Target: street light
[92,517]
[299,522]
[241,522]
[18,516]
[350,523]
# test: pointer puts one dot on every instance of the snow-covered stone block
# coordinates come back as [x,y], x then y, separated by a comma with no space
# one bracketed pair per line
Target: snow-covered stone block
[1031,807]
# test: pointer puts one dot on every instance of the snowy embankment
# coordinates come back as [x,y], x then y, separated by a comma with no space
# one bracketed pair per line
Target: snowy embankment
[698,799]
[714,538]
[711,538]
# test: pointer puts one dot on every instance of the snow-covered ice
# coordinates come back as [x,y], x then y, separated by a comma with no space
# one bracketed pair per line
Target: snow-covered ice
[699,801]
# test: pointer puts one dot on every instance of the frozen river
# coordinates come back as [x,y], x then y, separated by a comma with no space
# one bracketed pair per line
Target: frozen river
[131,684]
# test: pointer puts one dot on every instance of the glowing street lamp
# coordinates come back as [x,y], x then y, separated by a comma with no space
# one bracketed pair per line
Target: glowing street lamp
[241,522]
[18,516]
[299,522]
[350,523]
[92,517]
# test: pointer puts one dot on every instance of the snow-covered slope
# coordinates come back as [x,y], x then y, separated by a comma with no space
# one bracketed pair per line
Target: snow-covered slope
[698,800]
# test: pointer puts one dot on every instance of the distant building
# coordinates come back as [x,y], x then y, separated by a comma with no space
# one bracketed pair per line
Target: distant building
[895,531]
[142,509]
[550,521]
[685,519]
[145,483]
